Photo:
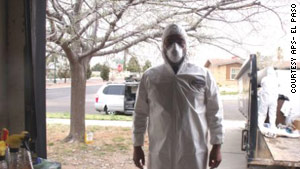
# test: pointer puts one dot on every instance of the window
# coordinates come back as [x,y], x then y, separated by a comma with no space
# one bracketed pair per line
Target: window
[114,90]
[105,90]
[233,73]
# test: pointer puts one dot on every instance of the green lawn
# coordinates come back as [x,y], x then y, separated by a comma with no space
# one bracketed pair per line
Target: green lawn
[92,116]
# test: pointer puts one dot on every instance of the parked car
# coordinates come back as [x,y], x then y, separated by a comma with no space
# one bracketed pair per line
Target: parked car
[130,95]
[116,98]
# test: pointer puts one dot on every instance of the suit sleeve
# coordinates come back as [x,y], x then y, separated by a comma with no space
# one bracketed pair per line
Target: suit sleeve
[141,113]
[214,111]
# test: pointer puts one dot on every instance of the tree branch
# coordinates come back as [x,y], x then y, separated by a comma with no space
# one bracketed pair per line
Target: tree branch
[200,40]
[85,29]
[123,37]
[246,18]
[240,6]
[69,53]
[52,36]
[201,19]
[128,45]
[57,6]
[224,49]
[278,17]
[193,27]
[107,34]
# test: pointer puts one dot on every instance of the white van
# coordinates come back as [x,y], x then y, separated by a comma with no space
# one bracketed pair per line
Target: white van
[116,98]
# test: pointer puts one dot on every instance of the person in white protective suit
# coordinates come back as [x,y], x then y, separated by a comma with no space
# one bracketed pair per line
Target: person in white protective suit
[179,102]
[268,96]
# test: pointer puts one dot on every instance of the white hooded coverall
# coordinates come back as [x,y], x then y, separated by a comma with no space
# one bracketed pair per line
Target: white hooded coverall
[268,96]
[178,109]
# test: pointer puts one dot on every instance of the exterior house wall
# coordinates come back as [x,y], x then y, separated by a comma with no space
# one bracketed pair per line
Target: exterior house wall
[15,60]
[223,80]
[214,71]
[228,69]
[3,94]
[229,82]
[12,40]
[222,75]
[14,56]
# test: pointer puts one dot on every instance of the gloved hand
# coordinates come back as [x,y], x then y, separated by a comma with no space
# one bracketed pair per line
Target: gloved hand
[138,157]
[215,156]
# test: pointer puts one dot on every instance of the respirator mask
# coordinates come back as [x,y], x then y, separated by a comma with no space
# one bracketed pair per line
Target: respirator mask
[174,53]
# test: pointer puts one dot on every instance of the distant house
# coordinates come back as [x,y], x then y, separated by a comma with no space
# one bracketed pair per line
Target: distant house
[225,70]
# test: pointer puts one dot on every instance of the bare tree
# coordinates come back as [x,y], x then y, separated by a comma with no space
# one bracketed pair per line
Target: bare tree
[88,28]
[63,71]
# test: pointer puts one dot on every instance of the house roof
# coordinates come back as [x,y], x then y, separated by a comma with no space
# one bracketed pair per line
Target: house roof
[220,62]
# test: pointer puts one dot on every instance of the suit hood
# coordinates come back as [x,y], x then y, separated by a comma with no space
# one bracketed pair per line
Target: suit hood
[173,29]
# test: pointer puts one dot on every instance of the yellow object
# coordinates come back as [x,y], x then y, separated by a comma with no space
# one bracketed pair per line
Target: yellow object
[15,140]
[88,138]
[2,148]
[24,133]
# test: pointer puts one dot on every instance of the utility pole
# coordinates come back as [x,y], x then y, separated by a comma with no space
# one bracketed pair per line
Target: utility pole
[125,58]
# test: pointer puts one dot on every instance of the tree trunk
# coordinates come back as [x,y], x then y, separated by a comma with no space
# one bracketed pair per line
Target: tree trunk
[78,87]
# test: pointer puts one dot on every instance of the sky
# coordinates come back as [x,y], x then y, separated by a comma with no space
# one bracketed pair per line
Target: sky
[271,33]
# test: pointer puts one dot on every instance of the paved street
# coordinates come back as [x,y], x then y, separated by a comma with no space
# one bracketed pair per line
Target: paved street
[58,99]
